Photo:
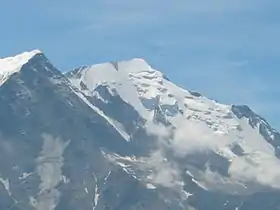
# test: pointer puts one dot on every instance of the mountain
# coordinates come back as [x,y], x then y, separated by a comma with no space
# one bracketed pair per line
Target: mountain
[122,136]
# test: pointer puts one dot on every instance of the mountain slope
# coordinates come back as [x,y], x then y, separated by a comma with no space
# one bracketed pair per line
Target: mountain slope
[52,146]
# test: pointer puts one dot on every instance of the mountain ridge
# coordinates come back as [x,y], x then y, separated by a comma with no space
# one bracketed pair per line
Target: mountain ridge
[27,55]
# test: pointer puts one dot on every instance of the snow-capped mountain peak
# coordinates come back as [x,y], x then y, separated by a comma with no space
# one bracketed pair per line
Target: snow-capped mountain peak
[11,65]
[119,76]
[121,131]
[138,84]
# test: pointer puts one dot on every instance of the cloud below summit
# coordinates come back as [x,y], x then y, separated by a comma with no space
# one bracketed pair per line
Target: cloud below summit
[196,138]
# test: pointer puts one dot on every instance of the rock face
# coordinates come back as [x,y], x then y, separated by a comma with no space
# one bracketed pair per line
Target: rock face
[121,136]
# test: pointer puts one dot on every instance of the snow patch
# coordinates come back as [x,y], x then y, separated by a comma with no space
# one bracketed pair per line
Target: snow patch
[25,175]
[64,179]
[186,194]
[199,184]
[151,186]
[107,176]
[33,202]
[6,184]
[96,192]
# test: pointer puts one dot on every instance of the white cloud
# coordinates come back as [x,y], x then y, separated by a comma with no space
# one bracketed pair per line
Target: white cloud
[164,172]
[158,130]
[259,166]
[193,137]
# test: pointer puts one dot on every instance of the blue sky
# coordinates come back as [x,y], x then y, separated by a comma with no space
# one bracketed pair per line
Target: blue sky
[228,50]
